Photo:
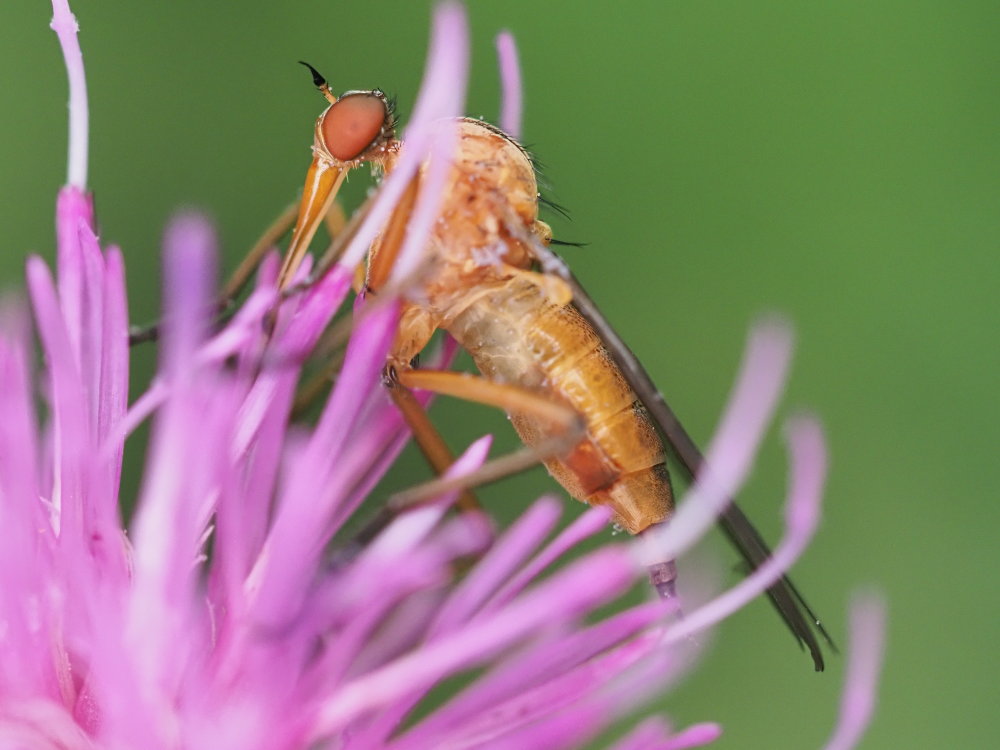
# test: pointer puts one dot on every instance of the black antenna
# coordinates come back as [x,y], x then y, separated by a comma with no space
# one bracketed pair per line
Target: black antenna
[318,80]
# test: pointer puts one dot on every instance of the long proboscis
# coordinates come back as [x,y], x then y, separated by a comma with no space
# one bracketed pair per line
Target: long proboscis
[791,606]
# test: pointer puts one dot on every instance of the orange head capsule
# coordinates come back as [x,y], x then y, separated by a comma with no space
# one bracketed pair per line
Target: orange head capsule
[359,126]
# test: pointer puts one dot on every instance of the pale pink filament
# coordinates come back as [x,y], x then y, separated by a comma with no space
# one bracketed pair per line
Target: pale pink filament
[808,473]
[442,95]
[512,92]
[65,26]
[732,451]
[864,665]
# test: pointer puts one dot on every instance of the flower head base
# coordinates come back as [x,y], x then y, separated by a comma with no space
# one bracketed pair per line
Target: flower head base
[222,620]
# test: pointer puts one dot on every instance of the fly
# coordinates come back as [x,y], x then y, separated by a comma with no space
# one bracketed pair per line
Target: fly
[576,395]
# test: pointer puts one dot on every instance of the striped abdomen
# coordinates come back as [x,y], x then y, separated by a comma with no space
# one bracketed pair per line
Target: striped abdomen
[516,335]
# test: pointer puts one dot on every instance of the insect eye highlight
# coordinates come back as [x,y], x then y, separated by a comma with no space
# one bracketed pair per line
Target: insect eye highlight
[353,123]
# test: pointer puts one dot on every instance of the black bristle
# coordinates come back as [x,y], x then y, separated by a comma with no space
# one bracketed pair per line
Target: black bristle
[390,108]
[551,204]
[567,243]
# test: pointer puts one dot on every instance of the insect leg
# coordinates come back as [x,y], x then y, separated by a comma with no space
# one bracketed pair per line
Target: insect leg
[268,239]
[334,219]
[381,258]
[429,440]
[335,222]
[511,398]
[480,390]
[785,597]
[383,255]
[317,384]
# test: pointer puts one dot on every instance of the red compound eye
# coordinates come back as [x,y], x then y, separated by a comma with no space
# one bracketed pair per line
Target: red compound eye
[352,124]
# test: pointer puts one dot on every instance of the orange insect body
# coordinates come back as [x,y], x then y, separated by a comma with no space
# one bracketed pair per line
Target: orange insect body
[547,362]
[519,325]
[520,328]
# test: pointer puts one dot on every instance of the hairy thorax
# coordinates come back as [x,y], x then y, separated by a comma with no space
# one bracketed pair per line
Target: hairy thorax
[481,238]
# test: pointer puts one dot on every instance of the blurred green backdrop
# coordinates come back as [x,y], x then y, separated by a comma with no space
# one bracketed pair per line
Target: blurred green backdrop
[836,161]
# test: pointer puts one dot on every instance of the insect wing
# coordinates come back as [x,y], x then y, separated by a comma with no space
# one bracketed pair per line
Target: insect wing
[785,597]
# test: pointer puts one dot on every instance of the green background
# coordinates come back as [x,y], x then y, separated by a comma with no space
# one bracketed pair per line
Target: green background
[835,161]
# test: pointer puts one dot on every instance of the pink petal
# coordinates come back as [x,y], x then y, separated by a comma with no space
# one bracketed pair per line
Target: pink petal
[189,247]
[386,437]
[74,214]
[112,400]
[498,564]
[697,735]
[391,554]
[314,490]
[69,421]
[301,321]
[497,696]
[581,703]
[591,522]
[579,588]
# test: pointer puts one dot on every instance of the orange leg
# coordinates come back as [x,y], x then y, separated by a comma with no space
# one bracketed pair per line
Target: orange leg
[428,439]
[568,428]
[317,384]
[335,223]
[381,258]
[271,236]
[335,220]
[383,255]
[510,398]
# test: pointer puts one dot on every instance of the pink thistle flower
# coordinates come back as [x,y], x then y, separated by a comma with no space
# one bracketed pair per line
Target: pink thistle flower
[220,620]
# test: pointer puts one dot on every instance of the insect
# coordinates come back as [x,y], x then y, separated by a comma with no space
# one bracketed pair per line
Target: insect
[574,392]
